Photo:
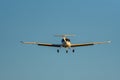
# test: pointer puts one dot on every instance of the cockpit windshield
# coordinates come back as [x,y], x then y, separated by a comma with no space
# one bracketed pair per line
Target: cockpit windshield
[65,39]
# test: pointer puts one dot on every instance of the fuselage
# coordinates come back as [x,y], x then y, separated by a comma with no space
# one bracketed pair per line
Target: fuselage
[66,43]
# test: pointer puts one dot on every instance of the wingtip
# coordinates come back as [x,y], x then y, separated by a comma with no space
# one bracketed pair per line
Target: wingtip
[21,42]
[109,41]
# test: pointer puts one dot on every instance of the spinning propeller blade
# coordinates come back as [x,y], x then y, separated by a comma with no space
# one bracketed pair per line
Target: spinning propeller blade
[64,35]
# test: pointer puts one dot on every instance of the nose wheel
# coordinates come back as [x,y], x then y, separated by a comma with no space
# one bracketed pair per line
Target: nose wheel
[73,50]
[66,51]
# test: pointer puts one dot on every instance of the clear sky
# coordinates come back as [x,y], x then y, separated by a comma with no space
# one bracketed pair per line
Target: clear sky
[40,20]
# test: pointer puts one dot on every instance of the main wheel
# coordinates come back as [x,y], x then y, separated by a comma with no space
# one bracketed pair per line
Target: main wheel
[57,50]
[66,51]
[73,50]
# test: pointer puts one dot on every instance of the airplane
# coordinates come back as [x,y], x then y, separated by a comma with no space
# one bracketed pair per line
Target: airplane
[65,43]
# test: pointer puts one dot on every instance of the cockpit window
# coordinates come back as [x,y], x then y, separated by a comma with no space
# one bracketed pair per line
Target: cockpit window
[65,39]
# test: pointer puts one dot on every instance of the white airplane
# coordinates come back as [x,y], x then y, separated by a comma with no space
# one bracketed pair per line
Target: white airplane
[66,43]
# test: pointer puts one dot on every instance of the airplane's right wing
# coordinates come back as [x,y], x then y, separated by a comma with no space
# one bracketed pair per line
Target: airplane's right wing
[89,44]
[42,44]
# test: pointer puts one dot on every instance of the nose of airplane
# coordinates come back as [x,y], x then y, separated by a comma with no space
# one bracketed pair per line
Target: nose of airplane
[64,40]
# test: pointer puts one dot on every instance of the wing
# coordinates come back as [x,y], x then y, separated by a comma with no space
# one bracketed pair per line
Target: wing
[42,44]
[89,44]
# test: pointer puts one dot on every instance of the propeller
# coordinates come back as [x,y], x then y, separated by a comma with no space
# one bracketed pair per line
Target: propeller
[64,35]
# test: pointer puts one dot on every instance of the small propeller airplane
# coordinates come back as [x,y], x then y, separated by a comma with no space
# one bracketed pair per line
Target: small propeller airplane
[66,43]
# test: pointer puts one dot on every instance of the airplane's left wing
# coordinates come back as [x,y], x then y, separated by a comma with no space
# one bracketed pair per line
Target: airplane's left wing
[42,44]
[89,44]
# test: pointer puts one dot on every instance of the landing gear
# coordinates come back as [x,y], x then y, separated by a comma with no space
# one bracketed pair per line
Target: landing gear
[73,50]
[66,51]
[57,50]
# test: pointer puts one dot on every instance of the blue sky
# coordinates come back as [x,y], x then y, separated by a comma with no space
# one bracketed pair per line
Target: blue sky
[40,20]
